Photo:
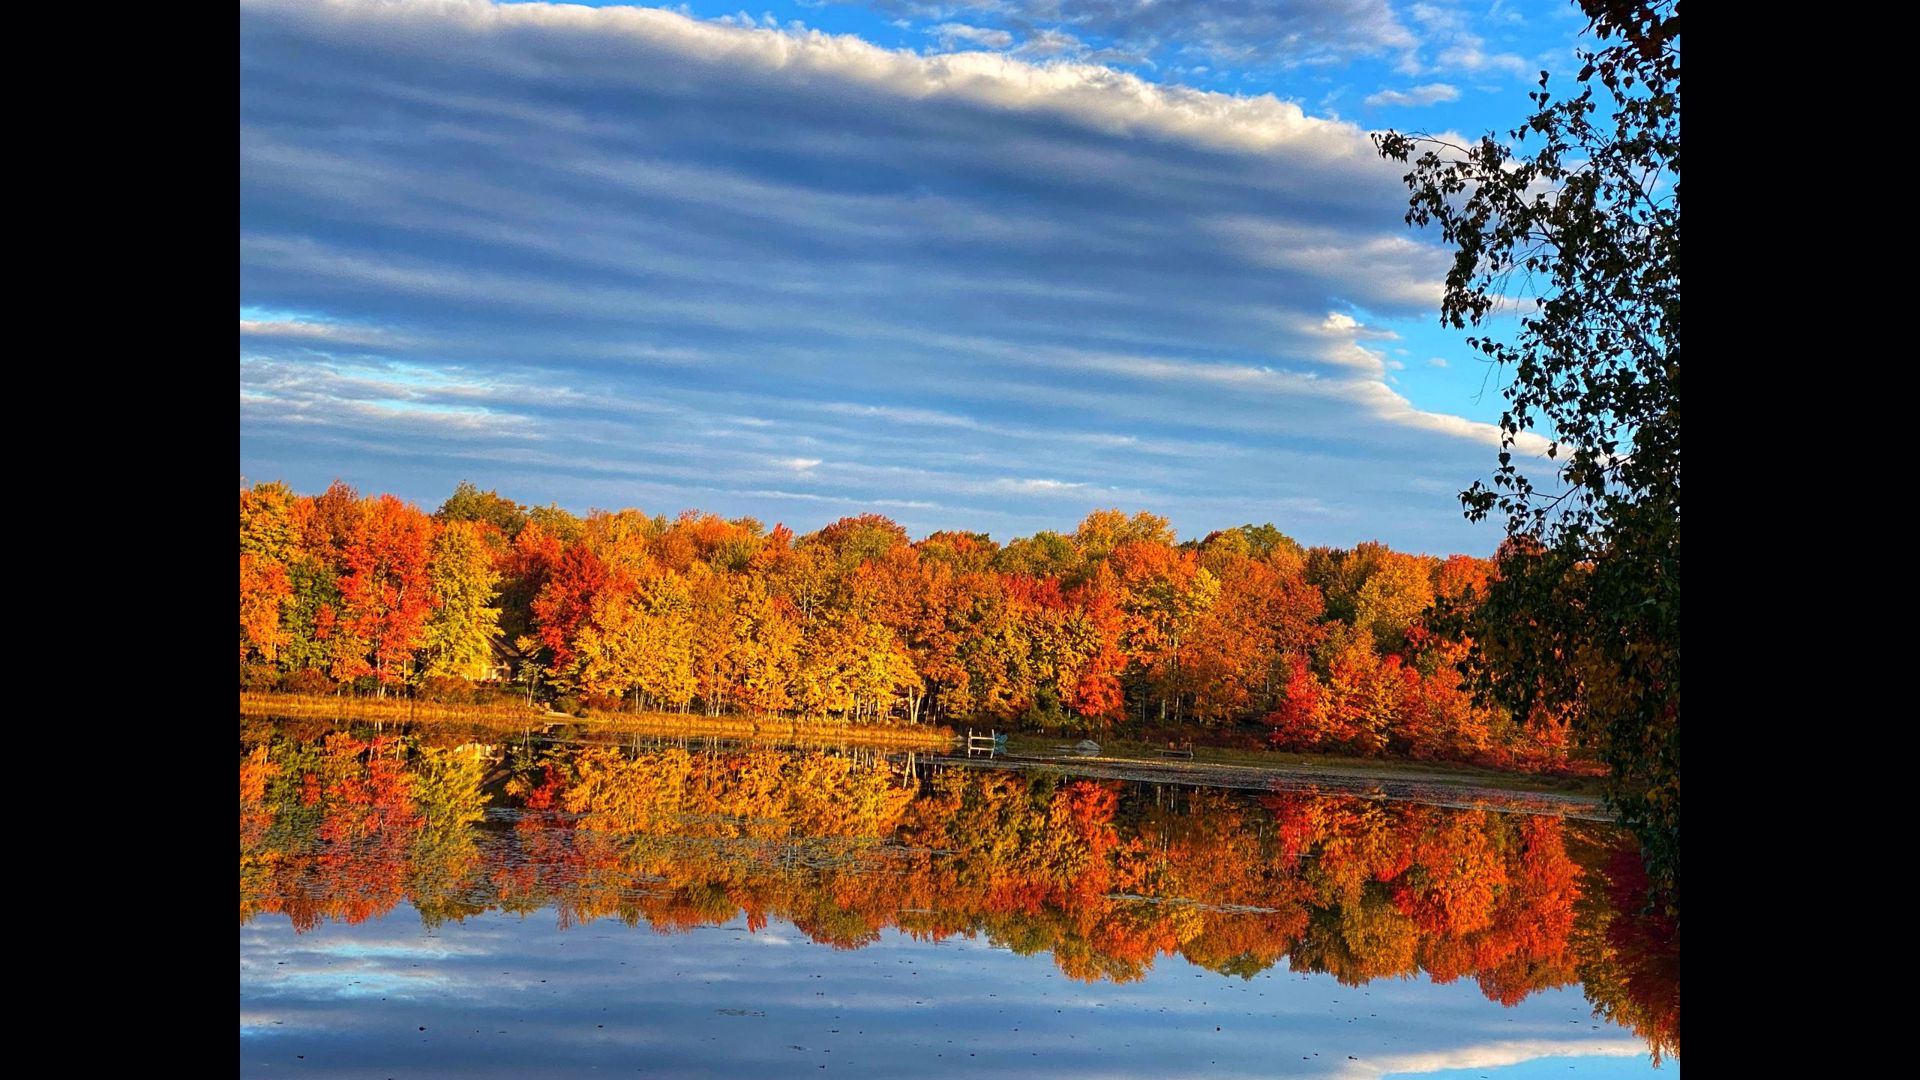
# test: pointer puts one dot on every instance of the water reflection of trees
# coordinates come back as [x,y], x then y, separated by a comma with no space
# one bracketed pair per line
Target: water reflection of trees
[1104,878]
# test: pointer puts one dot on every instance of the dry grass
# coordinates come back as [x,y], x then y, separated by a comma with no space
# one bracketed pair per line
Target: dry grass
[391,710]
[504,718]
[776,728]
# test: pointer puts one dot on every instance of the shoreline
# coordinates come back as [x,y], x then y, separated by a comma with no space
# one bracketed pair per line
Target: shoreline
[1436,782]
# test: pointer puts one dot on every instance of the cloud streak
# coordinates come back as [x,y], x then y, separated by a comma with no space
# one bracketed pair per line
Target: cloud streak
[1244,33]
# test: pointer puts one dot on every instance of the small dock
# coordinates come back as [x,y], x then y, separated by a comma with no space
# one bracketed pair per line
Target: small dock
[991,743]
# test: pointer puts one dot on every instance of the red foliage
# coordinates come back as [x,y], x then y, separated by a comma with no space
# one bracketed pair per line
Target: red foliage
[567,599]
[386,590]
[1301,720]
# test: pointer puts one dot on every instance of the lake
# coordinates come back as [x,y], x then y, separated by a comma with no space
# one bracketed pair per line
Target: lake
[418,910]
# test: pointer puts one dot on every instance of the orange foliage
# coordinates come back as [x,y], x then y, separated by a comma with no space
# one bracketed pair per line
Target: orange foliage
[855,623]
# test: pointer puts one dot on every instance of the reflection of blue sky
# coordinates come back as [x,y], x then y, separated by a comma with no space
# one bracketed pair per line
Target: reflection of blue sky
[972,263]
[501,995]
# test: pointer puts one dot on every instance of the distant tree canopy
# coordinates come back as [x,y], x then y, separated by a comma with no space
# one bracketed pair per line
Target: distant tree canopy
[1116,622]
[1577,220]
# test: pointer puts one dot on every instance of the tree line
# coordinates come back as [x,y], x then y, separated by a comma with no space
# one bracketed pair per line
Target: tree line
[1116,623]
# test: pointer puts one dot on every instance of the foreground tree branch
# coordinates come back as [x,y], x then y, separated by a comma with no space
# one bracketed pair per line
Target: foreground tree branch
[1582,203]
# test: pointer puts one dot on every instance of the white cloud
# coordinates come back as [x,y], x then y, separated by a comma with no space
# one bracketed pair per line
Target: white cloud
[1048,43]
[332,333]
[373,398]
[1471,56]
[951,34]
[1415,97]
[1373,269]
[1459,49]
[841,500]
[520,38]
[1036,486]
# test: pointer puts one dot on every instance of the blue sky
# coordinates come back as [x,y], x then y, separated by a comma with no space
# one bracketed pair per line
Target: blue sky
[983,264]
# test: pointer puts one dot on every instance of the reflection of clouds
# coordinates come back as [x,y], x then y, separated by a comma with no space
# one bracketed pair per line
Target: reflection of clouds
[254,1022]
[437,949]
[367,980]
[1491,1055]
[317,968]
[711,1001]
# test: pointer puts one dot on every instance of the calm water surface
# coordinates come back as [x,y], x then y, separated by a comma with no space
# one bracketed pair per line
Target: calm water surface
[415,911]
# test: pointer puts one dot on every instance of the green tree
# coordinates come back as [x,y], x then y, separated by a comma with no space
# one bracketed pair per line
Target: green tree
[1578,222]
[460,632]
[469,503]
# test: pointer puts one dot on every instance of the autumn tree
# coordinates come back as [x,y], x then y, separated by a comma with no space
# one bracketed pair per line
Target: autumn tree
[268,530]
[854,540]
[664,609]
[268,544]
[714,631]
[1166,594]
[264,590]
[386,590]
[1095,631]
[965,552]
[1044,554]
[326,522]
[1103,531]
[565,602]
[469,503]
[997,652]
[1395,593]
[524,566]
[461,578]
[1266,612]
[765,664]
